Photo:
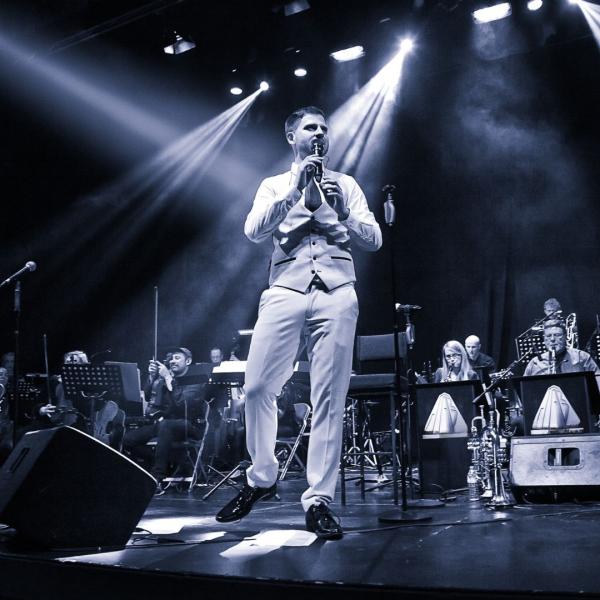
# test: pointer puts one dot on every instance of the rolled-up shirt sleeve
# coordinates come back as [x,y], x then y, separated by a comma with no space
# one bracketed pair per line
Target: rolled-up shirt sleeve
[268,210]
[362,226]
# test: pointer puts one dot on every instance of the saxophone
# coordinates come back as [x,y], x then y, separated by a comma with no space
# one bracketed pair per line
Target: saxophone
[572,333]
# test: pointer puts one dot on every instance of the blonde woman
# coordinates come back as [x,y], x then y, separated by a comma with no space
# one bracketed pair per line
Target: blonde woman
[456,364]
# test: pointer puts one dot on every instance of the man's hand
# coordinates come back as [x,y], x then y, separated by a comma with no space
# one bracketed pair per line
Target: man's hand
[48,410]
[157,368]
[335,197]
[306,171]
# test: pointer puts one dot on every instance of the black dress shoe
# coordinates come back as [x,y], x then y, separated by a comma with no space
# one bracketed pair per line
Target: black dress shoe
[242,504]
[322,522]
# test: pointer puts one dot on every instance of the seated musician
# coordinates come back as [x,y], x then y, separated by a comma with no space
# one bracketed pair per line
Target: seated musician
[558,358]
[481,363]
[60,411]
[225,444]
[5,423]
[455,363]
[174,407]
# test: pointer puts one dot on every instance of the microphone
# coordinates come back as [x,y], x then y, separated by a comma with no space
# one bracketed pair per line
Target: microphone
[389,208]
[317,148]
[407,307]
[29,266]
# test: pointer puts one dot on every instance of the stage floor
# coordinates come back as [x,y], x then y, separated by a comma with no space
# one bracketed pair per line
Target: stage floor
[464,551]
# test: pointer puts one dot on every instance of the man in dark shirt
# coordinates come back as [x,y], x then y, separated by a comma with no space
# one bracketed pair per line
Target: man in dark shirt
[481,363]
[175,407]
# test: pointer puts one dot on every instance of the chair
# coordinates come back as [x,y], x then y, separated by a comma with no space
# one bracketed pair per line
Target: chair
[367,386]
[290,444]
[193,450]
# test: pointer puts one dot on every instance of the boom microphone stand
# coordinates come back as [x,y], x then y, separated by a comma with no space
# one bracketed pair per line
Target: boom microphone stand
[403,515]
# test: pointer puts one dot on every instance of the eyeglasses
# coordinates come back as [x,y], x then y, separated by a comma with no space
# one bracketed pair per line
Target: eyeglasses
[554,336]
[450,356]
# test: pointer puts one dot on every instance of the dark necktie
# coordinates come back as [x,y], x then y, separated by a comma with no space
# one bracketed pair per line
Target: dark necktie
[312,196]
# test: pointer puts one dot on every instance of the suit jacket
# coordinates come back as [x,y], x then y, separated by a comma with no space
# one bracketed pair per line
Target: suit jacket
[310,243]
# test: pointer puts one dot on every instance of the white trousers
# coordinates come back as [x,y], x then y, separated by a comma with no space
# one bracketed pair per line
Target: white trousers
[325,322]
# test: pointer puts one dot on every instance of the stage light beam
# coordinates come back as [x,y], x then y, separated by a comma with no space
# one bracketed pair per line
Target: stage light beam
[591,12]
[362,124]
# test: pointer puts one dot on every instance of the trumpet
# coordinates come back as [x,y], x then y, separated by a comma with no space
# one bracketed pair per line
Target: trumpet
[489,454]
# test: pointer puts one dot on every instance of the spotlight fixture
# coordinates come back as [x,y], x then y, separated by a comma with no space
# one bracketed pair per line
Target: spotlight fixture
[236,91]
[348,54]
[406,45]
[535,4]
[263,86]
[294,7]
[492,13]
[300,72]
[179,45]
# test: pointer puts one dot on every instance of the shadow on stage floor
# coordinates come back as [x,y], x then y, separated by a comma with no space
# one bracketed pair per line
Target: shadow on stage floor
[466,551]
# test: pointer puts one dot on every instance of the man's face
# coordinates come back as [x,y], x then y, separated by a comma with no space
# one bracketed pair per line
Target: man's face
[216,356]
[179,363]
[473,349]
[311,128]
[554,339]
[551,307]
[8,361]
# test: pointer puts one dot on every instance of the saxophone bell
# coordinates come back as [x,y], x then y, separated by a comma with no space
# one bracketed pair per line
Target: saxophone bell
[572,332]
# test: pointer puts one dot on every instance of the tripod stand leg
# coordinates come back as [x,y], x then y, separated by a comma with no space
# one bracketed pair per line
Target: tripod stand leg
[241,466]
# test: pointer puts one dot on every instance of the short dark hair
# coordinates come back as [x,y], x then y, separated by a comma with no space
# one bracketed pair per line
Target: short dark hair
[552,304]
[556,323]
[292,121]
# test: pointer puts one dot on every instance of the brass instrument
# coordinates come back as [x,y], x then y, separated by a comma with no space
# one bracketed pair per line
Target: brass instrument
[572,333]
[489,448]
[489,445]
[552,361]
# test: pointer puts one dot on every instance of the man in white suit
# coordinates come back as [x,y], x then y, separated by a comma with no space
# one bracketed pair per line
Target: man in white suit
[314,216]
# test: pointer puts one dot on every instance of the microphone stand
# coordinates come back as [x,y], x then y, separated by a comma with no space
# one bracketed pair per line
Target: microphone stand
[403,515]
[17,321]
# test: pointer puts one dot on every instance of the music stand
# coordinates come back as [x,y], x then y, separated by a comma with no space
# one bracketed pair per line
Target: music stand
[85,385]
[229,373]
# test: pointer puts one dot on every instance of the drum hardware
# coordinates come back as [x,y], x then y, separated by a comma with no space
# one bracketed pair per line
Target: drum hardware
[359,440]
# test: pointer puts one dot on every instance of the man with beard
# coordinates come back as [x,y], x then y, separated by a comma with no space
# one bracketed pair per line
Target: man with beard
[175,408]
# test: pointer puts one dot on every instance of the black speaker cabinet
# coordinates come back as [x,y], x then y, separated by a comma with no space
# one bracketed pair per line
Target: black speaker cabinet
[61,488]
[580,389]
[444,460]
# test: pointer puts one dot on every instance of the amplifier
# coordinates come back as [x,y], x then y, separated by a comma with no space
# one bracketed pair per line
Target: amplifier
[555,460]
